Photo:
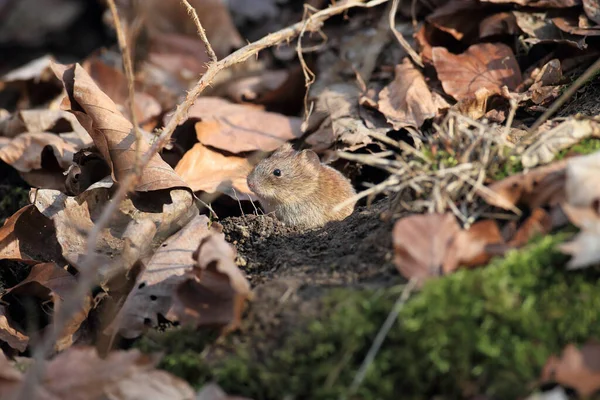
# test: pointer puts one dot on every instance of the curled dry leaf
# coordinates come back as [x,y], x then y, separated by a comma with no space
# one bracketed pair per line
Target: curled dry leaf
[536,188]
[49,283]
[156,284]
[486,65]
[209,171]
[215,292]
[407,101]
[80,374]
[562,136]
[238,128]
[25,152]
[583,209]
[538,223]
[75,216]
[10,334]
[576,23]
[539,28]
[112,134]
[471,244]
[335,119]
[576,368]
[422,245]
[29,237]
[34,121]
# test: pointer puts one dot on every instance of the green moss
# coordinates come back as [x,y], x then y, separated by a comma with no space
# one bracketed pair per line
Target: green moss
[488,331]
[586,146]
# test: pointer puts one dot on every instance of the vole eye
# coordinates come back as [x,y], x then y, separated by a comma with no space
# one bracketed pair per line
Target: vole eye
[277,172]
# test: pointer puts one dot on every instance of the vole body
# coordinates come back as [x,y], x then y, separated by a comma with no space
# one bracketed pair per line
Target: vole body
[299,189]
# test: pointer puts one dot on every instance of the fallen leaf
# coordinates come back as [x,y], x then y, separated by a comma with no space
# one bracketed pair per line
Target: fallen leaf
[535,188]
[24,152]
[582,173]
[112,134]
[334,119]
[422,245]
[471,244]
[570,22]
[80,374]
[460,19]
[540,3]
[29,237]
[540,29]
[563,136]
[209,171]
[538,223]
[155,286]
[49,284]
[576,368]
[407,101]
[583,247]
[9,334]
[486,65]
[592,10]
[38,70]
[75,216]
[215,292]
[503,23]
[238,128]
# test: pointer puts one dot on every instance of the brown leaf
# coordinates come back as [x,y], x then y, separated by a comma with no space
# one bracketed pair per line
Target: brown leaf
[29,237]
[334,119]
[237,128]
[538,223]
[539,3]
[24,152]
[540,29]
[471,244]
[536,188]
[571,23]
[207,170]
[407,101]
[458,18]
[562,136]
[486,65]
[576,368]
[34,121]
[75,216]
[156,285]
[10,334]
[503,23]
[80,374]
[112,133]
[422,245]
[215,293]
[50,284]
[592,10]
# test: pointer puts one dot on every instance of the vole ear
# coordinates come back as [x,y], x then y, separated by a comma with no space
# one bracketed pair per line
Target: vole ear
[311,156]
[284,148]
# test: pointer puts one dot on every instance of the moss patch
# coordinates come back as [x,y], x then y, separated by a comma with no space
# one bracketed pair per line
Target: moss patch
[483,331]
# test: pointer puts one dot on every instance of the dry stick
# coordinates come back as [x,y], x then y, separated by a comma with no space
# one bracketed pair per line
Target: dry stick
[381,335]
[411,52]
[71,303]
[595,67]
[128,67]
[201,32]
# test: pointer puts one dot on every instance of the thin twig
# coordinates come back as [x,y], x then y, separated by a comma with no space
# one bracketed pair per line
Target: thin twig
[405,45]
[128,67]
[201,32]
[381,335]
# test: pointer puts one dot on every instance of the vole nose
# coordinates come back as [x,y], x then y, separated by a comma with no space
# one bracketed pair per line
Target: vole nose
[250,183]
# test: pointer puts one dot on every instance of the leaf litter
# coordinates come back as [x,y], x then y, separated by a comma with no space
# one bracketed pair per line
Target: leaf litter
[449,173]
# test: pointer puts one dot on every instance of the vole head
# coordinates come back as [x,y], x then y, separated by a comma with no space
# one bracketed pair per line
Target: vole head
[286,176]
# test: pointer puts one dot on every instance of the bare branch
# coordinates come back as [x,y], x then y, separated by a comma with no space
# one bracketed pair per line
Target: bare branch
[201,32]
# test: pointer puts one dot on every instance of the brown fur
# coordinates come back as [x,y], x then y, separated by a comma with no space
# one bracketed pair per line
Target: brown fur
[305,193]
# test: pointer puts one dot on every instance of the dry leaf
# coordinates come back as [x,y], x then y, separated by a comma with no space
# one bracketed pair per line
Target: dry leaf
[503,23]
[458,18]
[11,335]
[407,101]
[538,223]
[207,170]
[486,65]
[335,119]
[29,237]
[471,245]
[237,128]
[570,22]
[592,10]
[215,293]
[536,188]
[75,216]
[155,286]
[112,134]
[24,152]
[563,136]
[80,374]
[576,368]
[422,245]
[582,180]
[540,29]
[539,3]
[49,284]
